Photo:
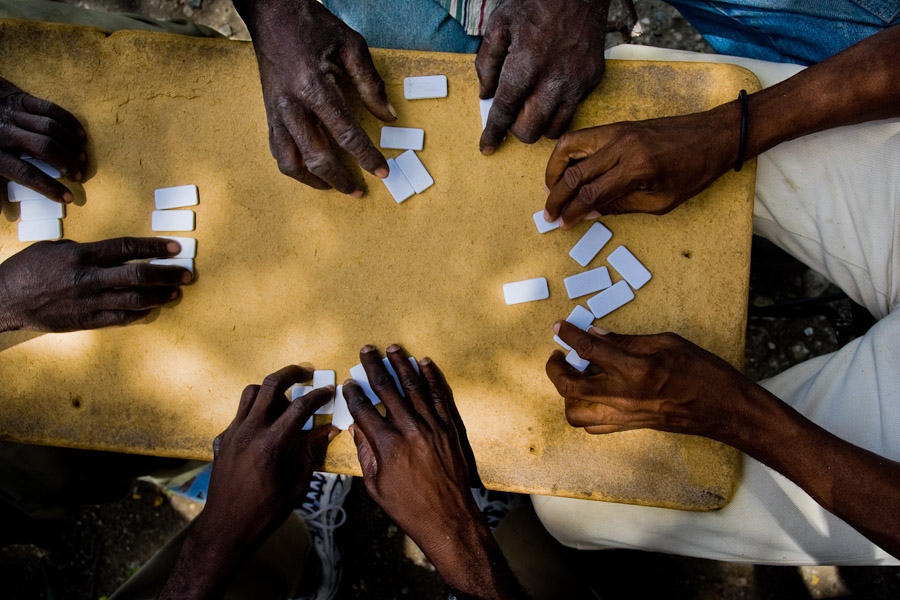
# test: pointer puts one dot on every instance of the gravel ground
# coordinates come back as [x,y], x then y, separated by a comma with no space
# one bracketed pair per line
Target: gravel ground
[88,555]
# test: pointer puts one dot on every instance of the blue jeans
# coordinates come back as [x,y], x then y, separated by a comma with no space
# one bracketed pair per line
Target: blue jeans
[796,31]
[405,25]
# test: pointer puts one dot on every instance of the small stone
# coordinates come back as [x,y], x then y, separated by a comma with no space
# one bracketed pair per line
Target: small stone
[226,30]
[645,21]
[771,346]
[809,331]
[187,11]
[195,4]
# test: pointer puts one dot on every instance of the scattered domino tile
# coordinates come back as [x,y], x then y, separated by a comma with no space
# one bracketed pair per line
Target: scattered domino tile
[590,244]
[581,318]
[390,369]
[44,167]
[414,171]
[415,365]
[428,86]
[396,182]
[587,282]
[41,208]
[323,379]
[402,138]
[610,299]
[576,361]
[172,220]
[358,374]
[35,231]
[188,246]
[630,268]
[296,392]
[342,419]
[542,225]
[176,197]
[485,107]
[18,193]
[185,263]
[526,291]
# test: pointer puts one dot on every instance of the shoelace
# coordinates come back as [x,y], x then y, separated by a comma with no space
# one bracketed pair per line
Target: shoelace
[322,520]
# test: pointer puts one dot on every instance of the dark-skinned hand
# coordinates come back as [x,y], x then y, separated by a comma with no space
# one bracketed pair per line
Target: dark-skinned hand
[538,60]
[642,166]
[660,382]
[305,55]
[67,286]
[416,463]
[40,129]
[261,471]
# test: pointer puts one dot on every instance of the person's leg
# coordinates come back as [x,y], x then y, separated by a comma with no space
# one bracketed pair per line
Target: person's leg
[786,30]
[830,200]
[60,12]
[273,572]
[405,25]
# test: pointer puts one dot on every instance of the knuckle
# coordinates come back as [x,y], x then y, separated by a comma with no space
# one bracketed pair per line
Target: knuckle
[134,273]
[271,380]
[412,383]
[383,381]
[354,142]
[573,177]
[584,347]
[133,300]
[587,195]
[320,165]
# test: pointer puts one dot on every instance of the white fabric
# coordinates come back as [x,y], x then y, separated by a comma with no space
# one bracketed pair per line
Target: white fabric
[831,200]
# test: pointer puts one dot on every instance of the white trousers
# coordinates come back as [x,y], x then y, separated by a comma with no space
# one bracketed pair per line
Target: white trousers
[832,200]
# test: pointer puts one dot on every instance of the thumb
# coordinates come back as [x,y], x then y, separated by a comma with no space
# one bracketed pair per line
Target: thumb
[367,460]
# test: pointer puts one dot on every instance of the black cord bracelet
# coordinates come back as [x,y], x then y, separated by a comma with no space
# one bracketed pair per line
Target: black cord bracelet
[742,148]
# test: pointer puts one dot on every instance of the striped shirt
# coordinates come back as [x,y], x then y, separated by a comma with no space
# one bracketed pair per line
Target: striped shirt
[472,14]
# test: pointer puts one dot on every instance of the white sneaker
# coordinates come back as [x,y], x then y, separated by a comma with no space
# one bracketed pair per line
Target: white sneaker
[323,512]
[496,505]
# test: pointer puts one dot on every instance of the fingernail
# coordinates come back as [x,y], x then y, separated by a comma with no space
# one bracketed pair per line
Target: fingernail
[425,361]
[357,194]
[82,134]
[556,327]
[547,191]
[547,216]
[68,197]
[487,150]
[173,248]
[78,176]
[82,157]
[330,388]
[348,381]
[392,110]
[173,294]
[333,434]
[381,173]
[186,277]
[352,434]
[598,330]
[393,348]
[366,349]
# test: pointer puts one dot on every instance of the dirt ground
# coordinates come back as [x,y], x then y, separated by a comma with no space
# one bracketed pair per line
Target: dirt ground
[87,555]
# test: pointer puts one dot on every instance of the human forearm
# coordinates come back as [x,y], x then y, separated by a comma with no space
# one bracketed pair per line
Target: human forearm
[854,86]
[858,486]
[473,565]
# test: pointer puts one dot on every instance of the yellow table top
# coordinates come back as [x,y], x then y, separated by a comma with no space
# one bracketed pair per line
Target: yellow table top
[288,274]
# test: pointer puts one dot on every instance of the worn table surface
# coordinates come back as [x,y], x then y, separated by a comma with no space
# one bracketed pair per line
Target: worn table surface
[289,274]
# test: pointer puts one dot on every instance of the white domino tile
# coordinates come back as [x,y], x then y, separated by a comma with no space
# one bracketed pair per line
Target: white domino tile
[324,379]
[172,220]
[358,374]
[176,197]
[188,246]
[528,290]
[576,361]
[390,369]
[590,244]
[610,299]
[396,182]
[35,231]
[402,138]
[44,167]
[185,263]
[587,282]
[414,171]
[18,193]
[41,208]
[296,392]
[342,419]
[415,365]
[428,86]
[542,225]
[581,318]
[485,107]
[622,260]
